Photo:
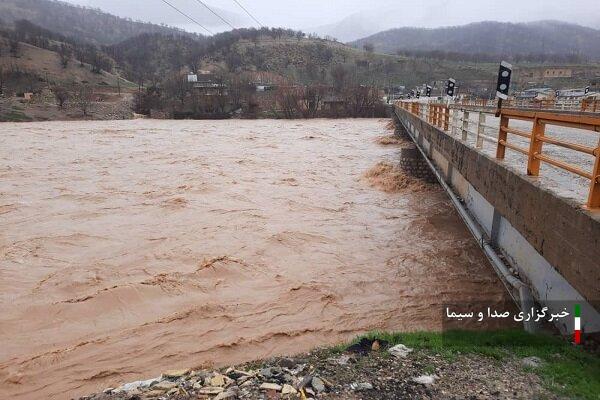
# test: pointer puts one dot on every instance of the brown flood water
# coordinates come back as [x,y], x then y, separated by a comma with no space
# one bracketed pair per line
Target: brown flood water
[131,247]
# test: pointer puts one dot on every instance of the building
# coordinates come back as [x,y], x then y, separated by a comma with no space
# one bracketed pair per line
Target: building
[535,94]
[558,73]
[557,76]
[537,74]
[574,94]
[206,83]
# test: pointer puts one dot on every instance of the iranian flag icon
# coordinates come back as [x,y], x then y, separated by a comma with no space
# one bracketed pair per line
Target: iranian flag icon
[577,331]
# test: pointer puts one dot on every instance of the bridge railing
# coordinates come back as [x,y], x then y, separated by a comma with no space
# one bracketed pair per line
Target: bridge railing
[562,104]
[590,105]
[537,138]
[475,126]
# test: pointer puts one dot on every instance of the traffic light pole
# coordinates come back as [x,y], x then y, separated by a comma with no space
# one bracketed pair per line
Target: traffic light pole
[499,109]
[503,85]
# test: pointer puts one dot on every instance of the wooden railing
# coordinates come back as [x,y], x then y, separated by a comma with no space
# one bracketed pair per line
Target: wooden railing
[590,105]
[537,138]
[439,115]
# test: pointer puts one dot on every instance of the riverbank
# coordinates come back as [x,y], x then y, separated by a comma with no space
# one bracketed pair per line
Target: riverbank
[506,364]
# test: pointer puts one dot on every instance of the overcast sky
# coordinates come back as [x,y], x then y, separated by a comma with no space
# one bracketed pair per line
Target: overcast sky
[371,15]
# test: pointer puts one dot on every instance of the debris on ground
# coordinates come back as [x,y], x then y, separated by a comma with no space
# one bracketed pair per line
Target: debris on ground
[367,370]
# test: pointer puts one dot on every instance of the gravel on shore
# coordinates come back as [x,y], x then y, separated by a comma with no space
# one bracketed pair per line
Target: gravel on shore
[366,370]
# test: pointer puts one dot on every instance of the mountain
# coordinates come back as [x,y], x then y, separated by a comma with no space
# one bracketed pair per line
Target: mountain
[81,23]
[497,38]
[351,28]
[381,15]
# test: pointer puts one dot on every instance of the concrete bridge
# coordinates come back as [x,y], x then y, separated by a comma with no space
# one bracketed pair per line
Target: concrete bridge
[542,223]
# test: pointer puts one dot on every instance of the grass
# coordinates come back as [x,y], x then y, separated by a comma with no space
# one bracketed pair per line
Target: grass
[14,116]
[567,370]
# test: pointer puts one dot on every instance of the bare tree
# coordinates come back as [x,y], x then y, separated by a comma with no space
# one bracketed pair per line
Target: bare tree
[221,97]
[311,99]
[61,95]
[287,98]
[360,100]
[14,48]
[84,99]
[65,53]
[176,86]
[99,61]
[339,75]
[240,90]
[2,80]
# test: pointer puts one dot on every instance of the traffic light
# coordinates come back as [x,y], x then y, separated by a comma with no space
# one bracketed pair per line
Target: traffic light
[418,94]
[451,87]
[503,85]
[557,93]
[587,90]
[428,91]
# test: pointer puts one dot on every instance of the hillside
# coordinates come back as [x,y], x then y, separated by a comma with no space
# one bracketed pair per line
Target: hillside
[83,24]
[40,71]
[287,54]
[312,60]
[46,65]
[550,38]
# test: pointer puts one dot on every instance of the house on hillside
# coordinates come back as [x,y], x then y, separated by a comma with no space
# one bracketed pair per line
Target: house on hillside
[558,72]
[207,83]
[535,94]
[573,94]
[264,87]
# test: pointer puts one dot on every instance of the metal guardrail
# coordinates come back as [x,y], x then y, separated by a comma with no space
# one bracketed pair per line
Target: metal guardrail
[450,120]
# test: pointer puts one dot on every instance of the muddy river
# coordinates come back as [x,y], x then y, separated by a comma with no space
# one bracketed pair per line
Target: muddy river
[131,247]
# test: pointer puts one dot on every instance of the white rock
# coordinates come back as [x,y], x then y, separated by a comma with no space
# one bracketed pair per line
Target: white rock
[400,351]
[288,389]
[217,380]
[226,395]
[361,386]
[426,380]
[210,390]
[138,384]
[270,386]
[343,359]
[318,384]
[164,385]
[247,383]
[531,362]
[175,373]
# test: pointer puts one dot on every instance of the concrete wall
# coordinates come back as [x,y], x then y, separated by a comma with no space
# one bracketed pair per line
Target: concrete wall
[552,242]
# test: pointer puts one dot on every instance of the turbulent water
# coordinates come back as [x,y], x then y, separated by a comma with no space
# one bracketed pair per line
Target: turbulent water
[131,247]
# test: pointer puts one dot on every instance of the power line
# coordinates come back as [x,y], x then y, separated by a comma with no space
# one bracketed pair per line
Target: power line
[217,15]
[187,16]
[248,12]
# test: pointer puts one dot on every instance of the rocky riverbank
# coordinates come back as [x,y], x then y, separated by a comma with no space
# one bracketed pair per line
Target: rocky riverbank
[368,369]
